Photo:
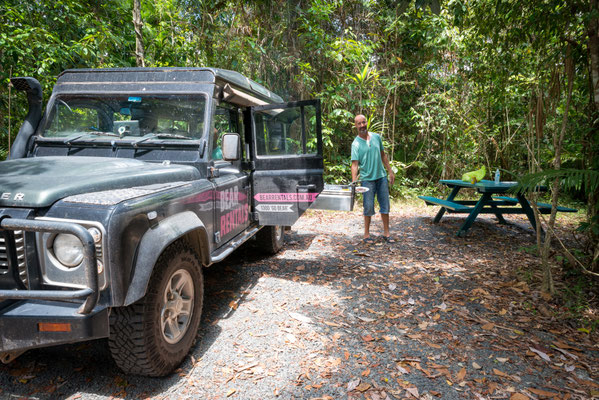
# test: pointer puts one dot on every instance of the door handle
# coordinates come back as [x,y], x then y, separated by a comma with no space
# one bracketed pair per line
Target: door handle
[311,186]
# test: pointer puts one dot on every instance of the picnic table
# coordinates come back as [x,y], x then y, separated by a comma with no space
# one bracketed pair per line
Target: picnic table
[489,203]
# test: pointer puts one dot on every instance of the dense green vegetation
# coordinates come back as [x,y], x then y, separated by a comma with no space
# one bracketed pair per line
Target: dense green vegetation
[450,85]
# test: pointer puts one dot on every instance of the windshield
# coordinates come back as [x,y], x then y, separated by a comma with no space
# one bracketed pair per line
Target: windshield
[127,117]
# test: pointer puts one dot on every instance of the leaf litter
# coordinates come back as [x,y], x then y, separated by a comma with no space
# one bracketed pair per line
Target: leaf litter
[430,316]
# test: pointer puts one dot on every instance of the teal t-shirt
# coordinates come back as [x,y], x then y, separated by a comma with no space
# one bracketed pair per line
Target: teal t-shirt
[368,156]
[217,154]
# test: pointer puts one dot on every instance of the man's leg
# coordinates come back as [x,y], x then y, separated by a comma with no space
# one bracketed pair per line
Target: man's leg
[385,218]
[368,197]
[382,195]
[367,219]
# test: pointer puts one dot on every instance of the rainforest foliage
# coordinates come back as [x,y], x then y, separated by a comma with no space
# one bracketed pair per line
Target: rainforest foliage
[452,85]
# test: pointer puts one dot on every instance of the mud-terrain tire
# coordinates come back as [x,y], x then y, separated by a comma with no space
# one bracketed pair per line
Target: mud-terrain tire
[270,239]
[152,336]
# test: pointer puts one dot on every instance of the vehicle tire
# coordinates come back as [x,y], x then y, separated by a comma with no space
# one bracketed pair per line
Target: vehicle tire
[270,239]
[152,336]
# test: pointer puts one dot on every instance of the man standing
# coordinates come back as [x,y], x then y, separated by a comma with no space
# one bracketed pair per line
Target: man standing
[368,156]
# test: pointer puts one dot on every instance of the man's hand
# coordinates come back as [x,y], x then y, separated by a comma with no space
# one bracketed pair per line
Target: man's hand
[387,166]
[391,178]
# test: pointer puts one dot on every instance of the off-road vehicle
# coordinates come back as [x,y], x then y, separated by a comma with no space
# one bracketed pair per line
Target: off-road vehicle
[130,183]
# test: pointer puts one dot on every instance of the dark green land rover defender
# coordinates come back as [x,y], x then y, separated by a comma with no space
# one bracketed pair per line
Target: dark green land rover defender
[130,183]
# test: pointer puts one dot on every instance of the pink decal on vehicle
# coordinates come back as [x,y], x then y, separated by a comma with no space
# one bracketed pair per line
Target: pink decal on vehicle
[286,197]
[233,219]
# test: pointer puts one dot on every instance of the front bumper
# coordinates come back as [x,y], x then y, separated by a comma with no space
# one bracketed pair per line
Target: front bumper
[31,318]
[90,293]
[21,325]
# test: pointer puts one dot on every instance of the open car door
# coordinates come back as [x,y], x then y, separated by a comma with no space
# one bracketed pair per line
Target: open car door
[287,165]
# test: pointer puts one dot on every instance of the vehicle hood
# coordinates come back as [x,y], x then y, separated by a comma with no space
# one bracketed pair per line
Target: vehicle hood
[41,181]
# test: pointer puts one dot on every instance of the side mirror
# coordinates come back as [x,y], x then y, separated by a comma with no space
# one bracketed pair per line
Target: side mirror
[231,146]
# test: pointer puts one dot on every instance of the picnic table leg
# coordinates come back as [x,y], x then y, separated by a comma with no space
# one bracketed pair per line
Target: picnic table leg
[486,197]
[528,211]
[451,196]
[498,214]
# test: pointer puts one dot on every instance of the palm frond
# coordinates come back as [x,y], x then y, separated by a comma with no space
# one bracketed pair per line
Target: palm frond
[576,179]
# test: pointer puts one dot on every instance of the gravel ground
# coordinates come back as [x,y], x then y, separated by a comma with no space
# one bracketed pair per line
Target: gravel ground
[431,316]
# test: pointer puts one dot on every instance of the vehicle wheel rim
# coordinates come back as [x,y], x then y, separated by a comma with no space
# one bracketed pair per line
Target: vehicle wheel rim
[279,234]
[177,308]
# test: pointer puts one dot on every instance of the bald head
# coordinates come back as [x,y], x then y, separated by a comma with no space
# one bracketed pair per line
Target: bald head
[361,125]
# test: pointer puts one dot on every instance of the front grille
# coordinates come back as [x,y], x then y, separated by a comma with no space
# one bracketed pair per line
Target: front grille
[21,260]
[99,254]
[3,256]
[20,251]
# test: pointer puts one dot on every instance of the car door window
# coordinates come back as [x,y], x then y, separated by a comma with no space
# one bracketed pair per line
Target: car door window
[279,131]
[224,122]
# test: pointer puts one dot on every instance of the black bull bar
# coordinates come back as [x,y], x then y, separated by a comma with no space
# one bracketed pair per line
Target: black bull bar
[90,293]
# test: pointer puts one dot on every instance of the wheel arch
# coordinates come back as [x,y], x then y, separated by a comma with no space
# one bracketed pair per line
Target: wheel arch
[183,226]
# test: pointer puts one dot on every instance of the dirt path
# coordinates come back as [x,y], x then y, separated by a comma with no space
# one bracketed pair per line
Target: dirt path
[431,316]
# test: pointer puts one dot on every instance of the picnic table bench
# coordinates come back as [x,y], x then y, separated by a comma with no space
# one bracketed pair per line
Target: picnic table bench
[487,204]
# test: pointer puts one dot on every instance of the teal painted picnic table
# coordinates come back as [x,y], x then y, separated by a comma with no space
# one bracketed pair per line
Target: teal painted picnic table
[493,200]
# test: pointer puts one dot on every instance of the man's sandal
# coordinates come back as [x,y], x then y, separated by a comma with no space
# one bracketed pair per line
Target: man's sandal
[368,240]
[389,239]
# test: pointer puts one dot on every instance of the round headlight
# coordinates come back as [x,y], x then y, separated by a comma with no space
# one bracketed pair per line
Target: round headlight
[68,249]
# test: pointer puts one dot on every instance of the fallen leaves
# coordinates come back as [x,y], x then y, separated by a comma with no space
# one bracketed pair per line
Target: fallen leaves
[501,373]
[443,313]
[519,396]
[488,326]
[365,319]
[540,354]
[413,391]
[461,375]
[352,385]
[433,345]
[387,307]
[561,345]
[367,338]
[301,318]
[544,394]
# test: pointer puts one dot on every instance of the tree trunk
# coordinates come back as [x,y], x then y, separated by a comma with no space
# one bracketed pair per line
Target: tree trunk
[593,139]
[139,39]
[558,143]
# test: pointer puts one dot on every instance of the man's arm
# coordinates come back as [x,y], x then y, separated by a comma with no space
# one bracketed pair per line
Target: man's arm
[387,167]
[354,170]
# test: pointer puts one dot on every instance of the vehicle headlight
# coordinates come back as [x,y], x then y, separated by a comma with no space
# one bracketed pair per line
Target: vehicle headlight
[68,249]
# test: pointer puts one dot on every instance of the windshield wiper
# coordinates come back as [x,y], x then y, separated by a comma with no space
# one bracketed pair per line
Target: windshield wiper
[101,133]
[160,136]
[69,139]
[74,138]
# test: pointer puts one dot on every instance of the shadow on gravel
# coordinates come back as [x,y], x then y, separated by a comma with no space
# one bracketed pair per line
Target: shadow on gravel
[86,370]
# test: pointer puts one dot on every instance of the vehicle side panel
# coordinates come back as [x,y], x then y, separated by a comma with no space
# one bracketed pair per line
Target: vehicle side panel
[232,205]
[127,222]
